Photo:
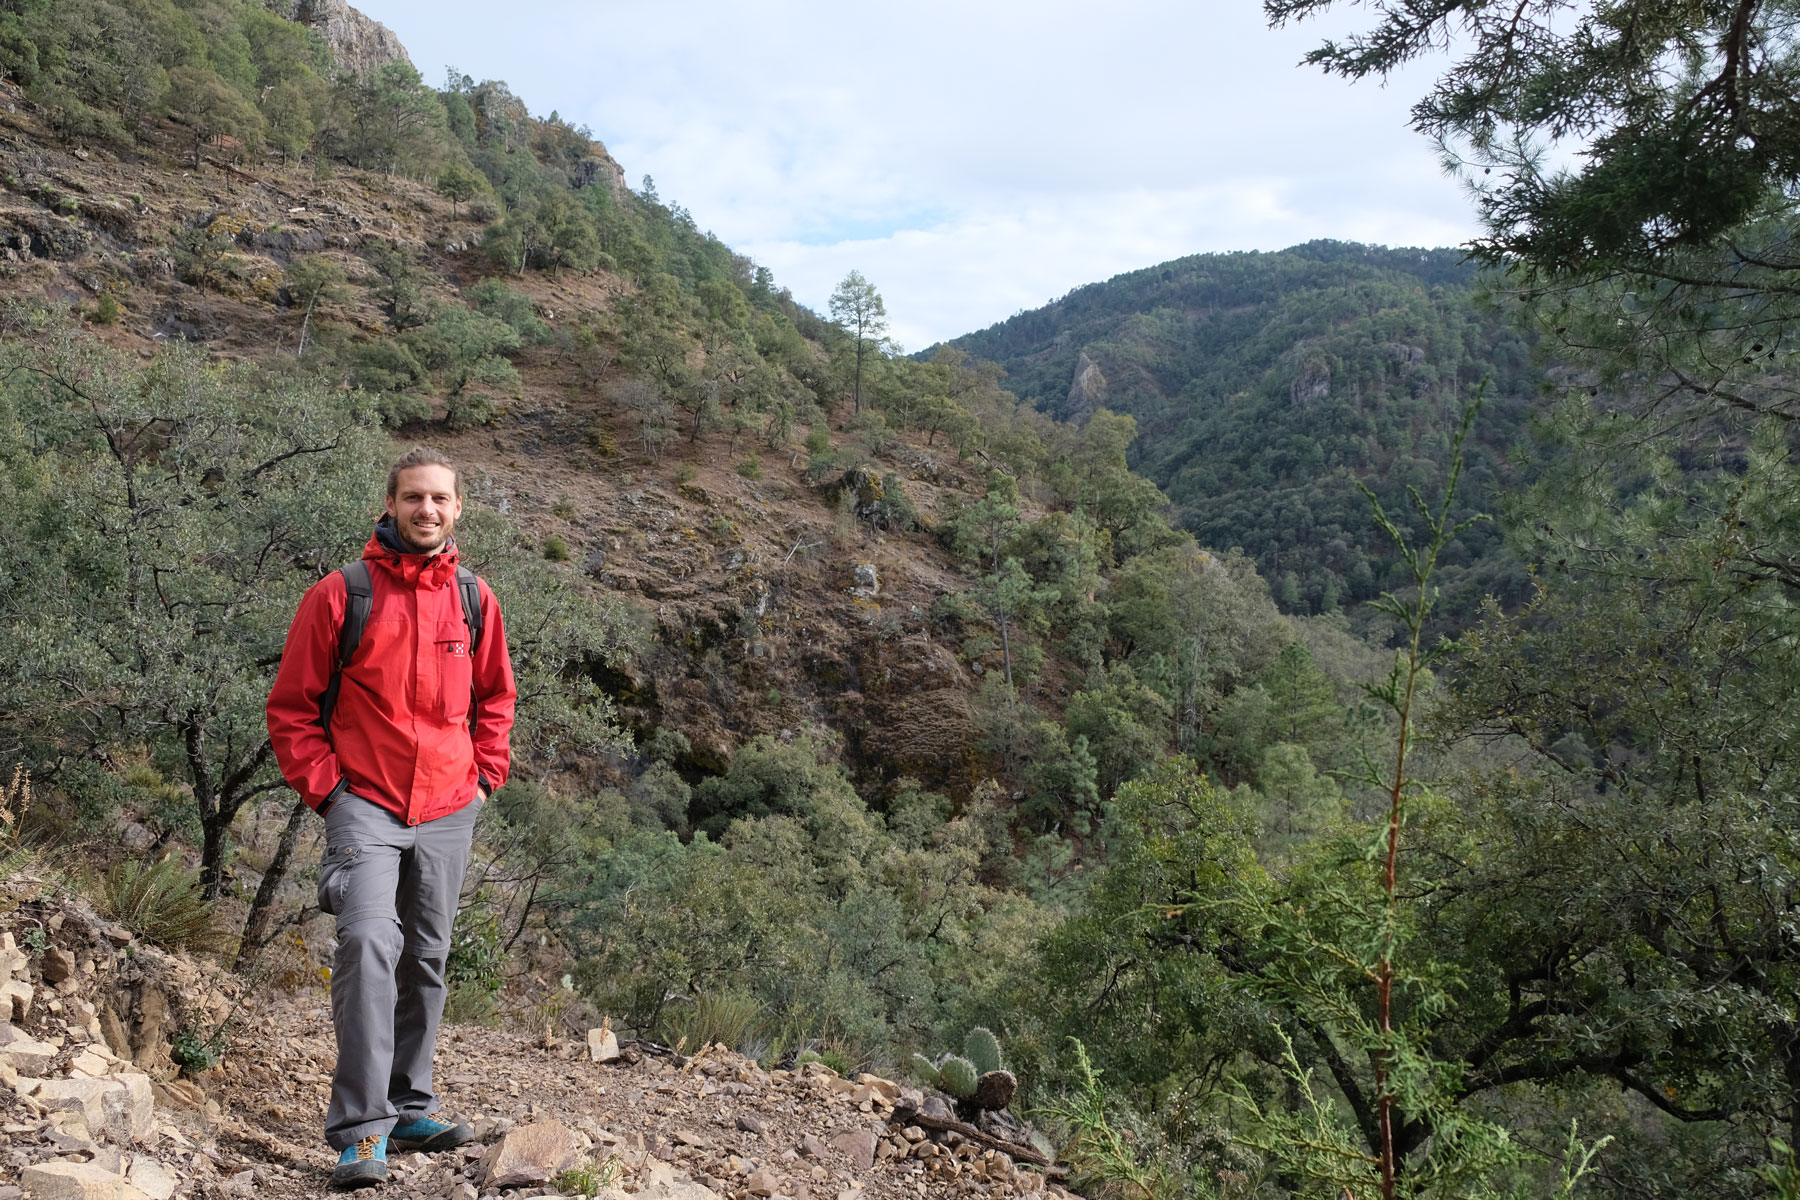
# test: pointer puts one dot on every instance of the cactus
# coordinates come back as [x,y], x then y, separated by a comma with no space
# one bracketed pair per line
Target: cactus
[982,1049]
[924,1070]
[956,1075]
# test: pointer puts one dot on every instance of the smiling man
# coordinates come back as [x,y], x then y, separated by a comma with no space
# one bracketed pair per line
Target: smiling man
[391,715]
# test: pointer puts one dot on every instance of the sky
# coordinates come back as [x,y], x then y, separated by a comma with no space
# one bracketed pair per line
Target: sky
[971,159]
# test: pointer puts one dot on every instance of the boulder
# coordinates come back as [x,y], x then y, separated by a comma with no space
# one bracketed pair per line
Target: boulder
[130,1108]
[762,1182]
[530,1154]
[59,964]
[15,999]
[150,1177]
[76,1181]
[603,1045]
[84,1096]
[24,1054]
[858,1145]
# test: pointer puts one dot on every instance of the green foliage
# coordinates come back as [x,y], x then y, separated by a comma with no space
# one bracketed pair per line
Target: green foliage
[494,299]
[161,902]
[1104,1158]
[198,1050]
[211,108]
[556,549]
[1266,387]
[729,1018]
[477,960]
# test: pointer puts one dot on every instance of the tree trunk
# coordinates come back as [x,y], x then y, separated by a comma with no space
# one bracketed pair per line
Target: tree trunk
[262,908]
[304,322]
[215,829]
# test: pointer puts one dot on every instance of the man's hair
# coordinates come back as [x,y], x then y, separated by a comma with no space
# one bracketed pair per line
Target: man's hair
[421,456]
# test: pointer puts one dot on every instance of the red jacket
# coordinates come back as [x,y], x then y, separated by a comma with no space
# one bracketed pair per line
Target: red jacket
[400,732]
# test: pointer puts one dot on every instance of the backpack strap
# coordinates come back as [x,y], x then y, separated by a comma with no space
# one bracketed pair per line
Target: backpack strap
[468,588]
[359,601]
[468,585]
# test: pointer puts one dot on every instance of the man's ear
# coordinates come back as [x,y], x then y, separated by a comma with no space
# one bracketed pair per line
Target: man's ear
[390,506]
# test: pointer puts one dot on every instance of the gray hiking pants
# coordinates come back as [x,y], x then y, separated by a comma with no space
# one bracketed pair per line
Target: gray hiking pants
[393,889]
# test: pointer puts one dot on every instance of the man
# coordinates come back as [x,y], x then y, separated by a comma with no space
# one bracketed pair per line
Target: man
[398,748]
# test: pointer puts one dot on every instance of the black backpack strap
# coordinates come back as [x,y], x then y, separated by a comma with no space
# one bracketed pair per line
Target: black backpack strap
[468,588]
[359,600]
[468,584]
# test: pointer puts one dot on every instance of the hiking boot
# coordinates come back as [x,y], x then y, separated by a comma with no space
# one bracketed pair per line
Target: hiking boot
[361,1165]
[430,1133]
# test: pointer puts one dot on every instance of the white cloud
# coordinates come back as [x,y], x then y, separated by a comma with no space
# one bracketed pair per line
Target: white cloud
[970,159]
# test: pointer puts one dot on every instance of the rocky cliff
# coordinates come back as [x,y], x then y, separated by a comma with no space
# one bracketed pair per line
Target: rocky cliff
[359,43]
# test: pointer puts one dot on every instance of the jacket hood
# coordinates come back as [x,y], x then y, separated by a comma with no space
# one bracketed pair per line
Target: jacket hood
[386,547]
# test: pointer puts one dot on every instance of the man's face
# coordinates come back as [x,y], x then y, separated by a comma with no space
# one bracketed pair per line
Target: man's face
[425,507]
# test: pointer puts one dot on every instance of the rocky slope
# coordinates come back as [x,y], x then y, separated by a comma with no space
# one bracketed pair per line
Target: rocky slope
[92,1103]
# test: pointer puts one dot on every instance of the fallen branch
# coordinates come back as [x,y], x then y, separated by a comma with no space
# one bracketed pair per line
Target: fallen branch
[905,1114]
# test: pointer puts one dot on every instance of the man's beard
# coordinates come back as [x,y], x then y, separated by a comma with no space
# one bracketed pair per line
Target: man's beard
[443,539]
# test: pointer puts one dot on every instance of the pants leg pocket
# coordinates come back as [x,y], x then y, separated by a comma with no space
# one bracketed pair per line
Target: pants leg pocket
[334,877]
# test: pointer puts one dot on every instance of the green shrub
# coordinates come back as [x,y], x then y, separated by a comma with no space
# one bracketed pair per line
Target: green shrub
[685,473]
[198,1050]
[750,468]
[477,959]
[728,1017]
[107,311]
[161,903]
[555,549]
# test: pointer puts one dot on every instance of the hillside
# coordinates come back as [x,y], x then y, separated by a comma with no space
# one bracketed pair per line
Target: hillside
[89,1108]
[1268,386]
[846,687]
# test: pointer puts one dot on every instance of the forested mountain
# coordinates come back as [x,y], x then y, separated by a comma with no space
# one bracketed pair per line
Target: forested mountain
[864,703]
[1268,386]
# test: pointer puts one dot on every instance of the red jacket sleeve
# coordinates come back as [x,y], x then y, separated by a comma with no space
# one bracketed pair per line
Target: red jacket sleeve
[496,696]
[307,760]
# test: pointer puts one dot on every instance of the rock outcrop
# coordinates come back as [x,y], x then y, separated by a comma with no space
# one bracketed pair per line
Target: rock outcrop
[359,43]
[1087,391]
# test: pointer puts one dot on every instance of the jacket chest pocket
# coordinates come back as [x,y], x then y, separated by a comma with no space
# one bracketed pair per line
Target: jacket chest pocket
[455,671]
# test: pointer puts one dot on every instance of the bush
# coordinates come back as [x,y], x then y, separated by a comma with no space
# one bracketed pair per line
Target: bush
[750,468]
[160,903]
[727,1017]
[555,549]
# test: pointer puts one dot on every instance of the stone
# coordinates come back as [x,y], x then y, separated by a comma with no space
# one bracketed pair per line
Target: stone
[13,962]
[812,1147]
[530,1154]
[150,1177]
[89,1064]
[76,1181]
[59,964]
[995,1090]
[15,999]
[858,1145]
[464,1191]
[676,1189]
[84,1096]
[749,1124]
[688,1137]
[180,1093]
[130,1108]
[603,1045]
[762,1182]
